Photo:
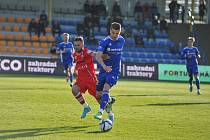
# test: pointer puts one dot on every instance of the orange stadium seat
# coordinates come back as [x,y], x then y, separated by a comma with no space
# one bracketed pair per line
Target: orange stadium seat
[35,38]
[27,19]
[19,43]
[48,30]
[37,51]
[43,38]
[9,37]
[2,19]
[27,37]
[12,49]
[50,38]
[27,44]
[16,29]
[35,44]
[3,49]
[18,37]
[24,29]
[1,28]
[45,51]
[44,45]
[7,28]
[11,19]
[2,43]
[2,36]
[11,43]
[21,50]
[19,20]
[29,50]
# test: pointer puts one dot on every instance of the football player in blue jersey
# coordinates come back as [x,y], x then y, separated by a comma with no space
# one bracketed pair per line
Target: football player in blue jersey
[109,73]
[66,49]
[191,53]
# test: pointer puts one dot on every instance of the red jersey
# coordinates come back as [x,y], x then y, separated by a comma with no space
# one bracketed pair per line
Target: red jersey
[84,65]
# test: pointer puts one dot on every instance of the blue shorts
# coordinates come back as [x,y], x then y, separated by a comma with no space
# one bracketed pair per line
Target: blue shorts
[109,78]
[192,70]
[67,64]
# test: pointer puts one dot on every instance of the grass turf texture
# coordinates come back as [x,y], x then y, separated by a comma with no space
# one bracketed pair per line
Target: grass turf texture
[33,108]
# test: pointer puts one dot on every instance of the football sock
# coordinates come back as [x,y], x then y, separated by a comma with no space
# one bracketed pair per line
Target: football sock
[104,100]
[80,98]
[85,105]
[198,84]
[71,78]
[191,80]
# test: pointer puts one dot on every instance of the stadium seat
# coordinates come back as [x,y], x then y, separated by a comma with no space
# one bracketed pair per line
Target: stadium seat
[21,50]
[12,49]
[19,37]
[37,51]
[1,28]
[48,30]
[19,43]
[27,44]
[16,29]
[2,43]
[50,38]
[19,20]
[2,19]
[11,43]
[43,38]
[45,51]
[35,38]
[29,51]
[27,37]
[2,36]
[8,28]
[11,19]
[3,48]
[35,44]
[44,45]
[27,20]
[24,29]
[9,37]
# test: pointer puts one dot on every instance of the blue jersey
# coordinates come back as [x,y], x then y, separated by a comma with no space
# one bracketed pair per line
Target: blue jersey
[193,52]
[113,48]
[67,54]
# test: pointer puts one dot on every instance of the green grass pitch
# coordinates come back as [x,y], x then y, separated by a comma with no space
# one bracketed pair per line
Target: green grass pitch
[43,108]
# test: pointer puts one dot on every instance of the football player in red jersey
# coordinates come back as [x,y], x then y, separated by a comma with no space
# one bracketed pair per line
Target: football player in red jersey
[86,77]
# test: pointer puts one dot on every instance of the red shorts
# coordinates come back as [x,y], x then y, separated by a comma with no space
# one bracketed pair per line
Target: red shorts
[87,85]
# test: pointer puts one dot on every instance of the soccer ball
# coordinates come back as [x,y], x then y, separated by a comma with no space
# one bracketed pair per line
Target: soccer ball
[105,125]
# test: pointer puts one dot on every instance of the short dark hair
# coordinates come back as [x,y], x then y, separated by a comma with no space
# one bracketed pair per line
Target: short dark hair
[191,38]
[79,38]
[116,26]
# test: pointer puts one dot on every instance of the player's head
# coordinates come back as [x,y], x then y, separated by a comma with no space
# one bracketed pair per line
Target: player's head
[78,43]
[66,37]
[115,30]
[190,41]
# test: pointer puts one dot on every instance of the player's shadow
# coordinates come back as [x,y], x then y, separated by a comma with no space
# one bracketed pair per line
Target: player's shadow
[174,104]
[21,133]
[145,95]
[97,132]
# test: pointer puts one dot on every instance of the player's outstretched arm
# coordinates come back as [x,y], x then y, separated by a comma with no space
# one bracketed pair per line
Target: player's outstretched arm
[99,59]
[104,56]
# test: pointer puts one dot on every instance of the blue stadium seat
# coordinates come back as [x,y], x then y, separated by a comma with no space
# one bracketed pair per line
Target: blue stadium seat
[130,42]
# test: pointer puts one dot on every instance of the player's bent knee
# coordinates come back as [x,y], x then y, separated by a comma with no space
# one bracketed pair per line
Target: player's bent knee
[75,90]
[196,77]
[98,95]
[106,87]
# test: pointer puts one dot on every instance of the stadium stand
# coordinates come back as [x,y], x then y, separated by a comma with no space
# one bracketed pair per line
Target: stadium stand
[15,39]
